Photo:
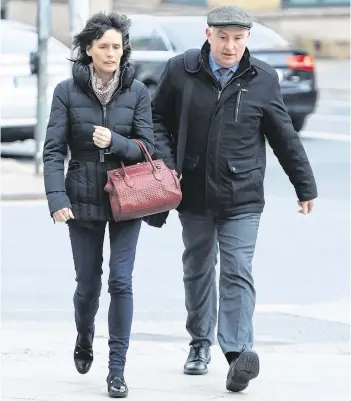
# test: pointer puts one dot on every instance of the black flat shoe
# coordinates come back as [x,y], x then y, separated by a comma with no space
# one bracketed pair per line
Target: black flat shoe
[117,387]
[83,355]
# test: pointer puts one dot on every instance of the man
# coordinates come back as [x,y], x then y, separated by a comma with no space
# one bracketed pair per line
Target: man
[234,104]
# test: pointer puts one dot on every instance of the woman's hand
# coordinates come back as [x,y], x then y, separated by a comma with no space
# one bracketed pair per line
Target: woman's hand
[63,215]
[102,137]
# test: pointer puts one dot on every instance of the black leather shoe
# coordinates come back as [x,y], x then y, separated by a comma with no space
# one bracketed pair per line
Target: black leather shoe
[83,354]
[199,357]
[242,369]
[117,387]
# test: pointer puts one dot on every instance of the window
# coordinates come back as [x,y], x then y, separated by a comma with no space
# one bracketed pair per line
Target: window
[264,38]
[186,33]
[143,36]
[25,41]
[316,3]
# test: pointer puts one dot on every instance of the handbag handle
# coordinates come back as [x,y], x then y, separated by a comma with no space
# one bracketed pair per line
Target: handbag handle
[148,157]
[146,154]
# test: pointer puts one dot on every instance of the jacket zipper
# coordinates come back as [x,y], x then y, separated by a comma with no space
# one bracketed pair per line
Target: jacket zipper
[105,116]
[104,124]
[238,100]
[218,167]
[220,90]
[102,152]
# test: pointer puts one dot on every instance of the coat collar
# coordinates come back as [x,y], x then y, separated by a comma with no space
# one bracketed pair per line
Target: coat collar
[81,75]
[193,65]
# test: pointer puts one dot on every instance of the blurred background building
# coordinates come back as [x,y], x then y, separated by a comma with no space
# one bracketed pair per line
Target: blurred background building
[319,26]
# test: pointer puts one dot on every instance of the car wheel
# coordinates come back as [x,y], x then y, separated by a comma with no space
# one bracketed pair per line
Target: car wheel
[298,122]
[151,88]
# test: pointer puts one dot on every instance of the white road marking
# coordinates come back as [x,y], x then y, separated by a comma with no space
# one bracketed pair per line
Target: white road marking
[328,136]
[333,103]
[337,311]
[23,202]
[329,117]
[333,311]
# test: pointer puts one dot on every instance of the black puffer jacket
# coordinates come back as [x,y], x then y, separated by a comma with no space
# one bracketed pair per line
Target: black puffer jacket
[75,110]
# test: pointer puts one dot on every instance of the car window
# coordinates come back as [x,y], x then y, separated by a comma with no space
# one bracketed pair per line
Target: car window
[264,38]
[24,41]
[186,34]
[143,36]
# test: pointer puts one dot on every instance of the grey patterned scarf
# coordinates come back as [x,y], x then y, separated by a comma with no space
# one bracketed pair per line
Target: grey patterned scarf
[103,92]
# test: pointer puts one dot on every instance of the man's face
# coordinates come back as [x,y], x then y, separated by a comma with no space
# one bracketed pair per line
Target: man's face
[227,44]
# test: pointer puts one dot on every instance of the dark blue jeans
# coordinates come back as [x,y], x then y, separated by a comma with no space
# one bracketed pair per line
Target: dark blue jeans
[87,240]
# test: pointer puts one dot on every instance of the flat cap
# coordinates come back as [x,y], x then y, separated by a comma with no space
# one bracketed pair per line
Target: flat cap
[226,16]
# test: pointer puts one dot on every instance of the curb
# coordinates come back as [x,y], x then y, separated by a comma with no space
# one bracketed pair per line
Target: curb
[324,48]
[22,197]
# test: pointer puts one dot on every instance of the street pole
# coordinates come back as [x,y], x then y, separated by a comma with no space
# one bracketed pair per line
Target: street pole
[114,5]
[44,30]
[79,12]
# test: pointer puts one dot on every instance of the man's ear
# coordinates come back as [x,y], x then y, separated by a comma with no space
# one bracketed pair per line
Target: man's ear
[208,34]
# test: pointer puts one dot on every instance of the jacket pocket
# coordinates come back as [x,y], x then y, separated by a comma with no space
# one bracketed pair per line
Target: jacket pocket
[75,181]
[75,165]
[247,181]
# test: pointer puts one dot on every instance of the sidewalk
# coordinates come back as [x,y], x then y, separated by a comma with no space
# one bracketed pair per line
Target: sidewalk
[39,366]
[18,181]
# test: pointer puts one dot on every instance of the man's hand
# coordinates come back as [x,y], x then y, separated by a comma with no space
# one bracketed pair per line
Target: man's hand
[306,206]
[102,137]
[63,215]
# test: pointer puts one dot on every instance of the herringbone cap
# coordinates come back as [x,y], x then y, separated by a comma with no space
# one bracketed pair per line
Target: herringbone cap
[226,16]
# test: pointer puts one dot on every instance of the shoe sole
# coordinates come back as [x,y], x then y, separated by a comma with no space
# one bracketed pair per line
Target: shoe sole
[245,368]
[125,395]
[191,372]
[195,372]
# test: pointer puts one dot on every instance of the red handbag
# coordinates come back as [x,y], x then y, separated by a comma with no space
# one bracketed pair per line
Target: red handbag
[142,189]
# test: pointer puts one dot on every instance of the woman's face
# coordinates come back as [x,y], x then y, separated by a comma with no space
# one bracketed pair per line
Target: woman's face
[107,51]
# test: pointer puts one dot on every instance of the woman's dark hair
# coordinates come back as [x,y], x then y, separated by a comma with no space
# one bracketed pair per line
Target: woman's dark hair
[95,28]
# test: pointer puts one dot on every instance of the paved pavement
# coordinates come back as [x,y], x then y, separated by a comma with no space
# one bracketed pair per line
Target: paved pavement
[37,365]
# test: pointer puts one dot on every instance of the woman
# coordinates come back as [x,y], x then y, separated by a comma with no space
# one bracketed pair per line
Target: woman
[98,113]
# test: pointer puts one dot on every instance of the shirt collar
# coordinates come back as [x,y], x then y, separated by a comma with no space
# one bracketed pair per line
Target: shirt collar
[214,66]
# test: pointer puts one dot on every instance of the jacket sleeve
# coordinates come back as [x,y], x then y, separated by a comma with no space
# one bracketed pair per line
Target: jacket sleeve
[55,150]
[163,115]
[127,148]
[287,146]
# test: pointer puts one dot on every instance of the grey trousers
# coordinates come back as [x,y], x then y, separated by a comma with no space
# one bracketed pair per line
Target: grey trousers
[236,239]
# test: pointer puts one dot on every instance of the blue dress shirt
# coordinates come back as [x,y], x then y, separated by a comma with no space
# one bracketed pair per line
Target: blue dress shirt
[215,68]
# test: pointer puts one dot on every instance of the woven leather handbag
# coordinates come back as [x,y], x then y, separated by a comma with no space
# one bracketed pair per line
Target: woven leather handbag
[142,189]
